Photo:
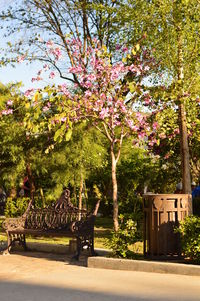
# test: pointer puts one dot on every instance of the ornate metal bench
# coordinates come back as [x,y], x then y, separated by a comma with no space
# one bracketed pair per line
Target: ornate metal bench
[58,220]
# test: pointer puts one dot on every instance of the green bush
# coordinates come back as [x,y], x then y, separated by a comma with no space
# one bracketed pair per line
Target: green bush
[189,230]
[16,207]
[124,237]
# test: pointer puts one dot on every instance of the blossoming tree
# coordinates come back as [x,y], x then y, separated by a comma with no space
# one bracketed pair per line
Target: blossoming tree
[102,97]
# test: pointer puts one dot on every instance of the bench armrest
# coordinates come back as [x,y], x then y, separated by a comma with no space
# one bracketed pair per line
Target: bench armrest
[14,223]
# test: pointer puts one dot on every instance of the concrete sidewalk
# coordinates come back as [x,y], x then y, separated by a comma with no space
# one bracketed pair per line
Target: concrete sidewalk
[31,276]
[103,262]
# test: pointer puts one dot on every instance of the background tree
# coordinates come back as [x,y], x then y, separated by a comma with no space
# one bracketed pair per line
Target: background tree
[171,29]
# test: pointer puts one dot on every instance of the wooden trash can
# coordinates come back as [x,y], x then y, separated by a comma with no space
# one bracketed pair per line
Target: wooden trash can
[162,214]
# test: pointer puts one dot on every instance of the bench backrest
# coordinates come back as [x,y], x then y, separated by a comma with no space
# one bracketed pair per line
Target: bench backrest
[56,216]
[59,215]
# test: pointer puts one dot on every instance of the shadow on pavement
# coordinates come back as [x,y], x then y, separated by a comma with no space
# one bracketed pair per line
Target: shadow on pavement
[68,258]
[18,291]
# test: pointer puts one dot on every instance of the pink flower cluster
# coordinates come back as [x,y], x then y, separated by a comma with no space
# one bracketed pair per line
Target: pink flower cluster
[29,92]
[102,97]
[7,112]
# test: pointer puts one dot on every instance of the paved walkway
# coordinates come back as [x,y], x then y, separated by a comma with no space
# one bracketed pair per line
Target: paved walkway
[39,276]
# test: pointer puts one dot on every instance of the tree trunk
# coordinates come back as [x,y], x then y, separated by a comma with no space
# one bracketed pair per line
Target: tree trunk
[184,147]
[31,182]
[185,160]
[80,204]
[114,186]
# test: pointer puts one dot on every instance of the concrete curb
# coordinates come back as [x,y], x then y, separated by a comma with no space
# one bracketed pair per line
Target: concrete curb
[143,266]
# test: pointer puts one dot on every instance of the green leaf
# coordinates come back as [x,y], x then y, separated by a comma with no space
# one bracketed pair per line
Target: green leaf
[68,135]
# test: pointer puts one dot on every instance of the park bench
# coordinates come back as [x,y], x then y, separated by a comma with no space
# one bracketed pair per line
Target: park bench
[61,219]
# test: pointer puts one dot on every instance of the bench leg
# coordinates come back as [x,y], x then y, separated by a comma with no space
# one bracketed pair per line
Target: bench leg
[93,253]
[11,239]
[22,241]
[10,243]
[79,247]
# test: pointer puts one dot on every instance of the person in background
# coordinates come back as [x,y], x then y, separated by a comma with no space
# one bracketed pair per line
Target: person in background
[179,188]
[25,189]
[196,191]
[193,185]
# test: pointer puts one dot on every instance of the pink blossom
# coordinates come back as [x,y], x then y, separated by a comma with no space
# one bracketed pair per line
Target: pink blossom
[147,101]
[58,53]
[123,109]
[130,123]
[153,142]
[77,69]
[46,67]
[103,96]
[114,75]
[162,136]
[63,88]
[50,43]
[117,123]
[141,135]
[155,125]
[45,109]
[63,119]
[167,156]
[52,75]
[20,59]
[9,102]
[125,49]
[176,131]
[38,78]
[146,68]
[117,47]
[7,112]
[104,113]
[139,116]
[88,93]
[29,92]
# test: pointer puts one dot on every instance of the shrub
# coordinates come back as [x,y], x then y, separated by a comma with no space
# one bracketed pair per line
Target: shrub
[124,237]
[189,230]
[16,207]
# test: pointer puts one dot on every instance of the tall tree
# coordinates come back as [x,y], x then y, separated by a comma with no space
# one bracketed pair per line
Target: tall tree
[171,29]
[102,99]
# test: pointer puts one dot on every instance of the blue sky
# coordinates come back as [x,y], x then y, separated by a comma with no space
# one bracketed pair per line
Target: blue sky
[22,72]
[25,73]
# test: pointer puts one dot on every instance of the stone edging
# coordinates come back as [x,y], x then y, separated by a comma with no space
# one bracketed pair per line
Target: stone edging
[143,266]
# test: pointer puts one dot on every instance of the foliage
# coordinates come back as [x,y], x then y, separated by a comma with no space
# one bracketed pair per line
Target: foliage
[170,29]
[190,237]
[126,235]
[16,207]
